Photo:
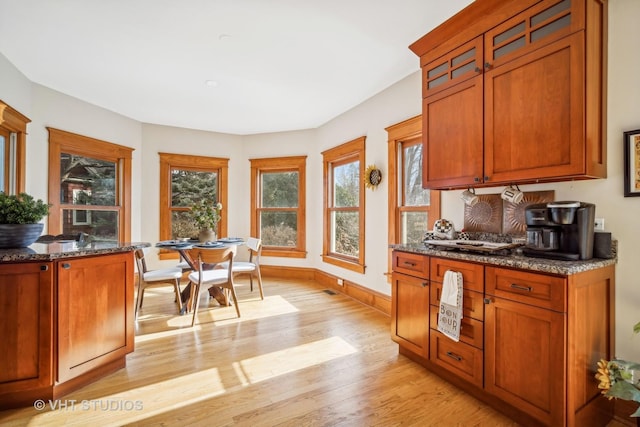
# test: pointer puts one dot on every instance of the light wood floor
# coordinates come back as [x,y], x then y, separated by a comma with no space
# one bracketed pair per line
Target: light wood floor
[301,357]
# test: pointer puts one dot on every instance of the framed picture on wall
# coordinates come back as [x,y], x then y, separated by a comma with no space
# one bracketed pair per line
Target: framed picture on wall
[632,163]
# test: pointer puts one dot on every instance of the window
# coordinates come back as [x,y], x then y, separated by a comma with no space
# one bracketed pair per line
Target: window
[412,209]
[343,242]
[278,205]
[13,131]
[89,187]
[186,179]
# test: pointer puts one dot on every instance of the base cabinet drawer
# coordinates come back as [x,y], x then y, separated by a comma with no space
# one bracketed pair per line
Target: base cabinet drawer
[471,330]
[472,302]
[412,264]
[540,290]
[462,360]
[472,274]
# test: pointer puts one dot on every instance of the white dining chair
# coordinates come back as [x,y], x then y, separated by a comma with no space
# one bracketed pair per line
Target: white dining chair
[204,276]
[149,278]
[251,267]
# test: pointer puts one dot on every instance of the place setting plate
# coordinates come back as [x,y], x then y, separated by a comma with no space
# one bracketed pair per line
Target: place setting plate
[216,244]
[230,239]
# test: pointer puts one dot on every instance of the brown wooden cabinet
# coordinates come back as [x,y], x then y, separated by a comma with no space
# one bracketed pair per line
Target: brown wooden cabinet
[95,317]
[65,323]
[520,98]
[26,328]
[529,341]
[410,302]
[526,344]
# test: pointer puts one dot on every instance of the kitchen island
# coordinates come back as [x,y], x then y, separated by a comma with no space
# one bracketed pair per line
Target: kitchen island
[532,330]
[66,317]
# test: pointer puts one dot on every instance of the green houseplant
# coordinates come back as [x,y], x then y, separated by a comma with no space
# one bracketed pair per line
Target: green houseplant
[619,379]
[206,214]
[19,219]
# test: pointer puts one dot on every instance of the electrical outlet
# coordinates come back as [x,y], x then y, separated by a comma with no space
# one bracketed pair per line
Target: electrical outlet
[599,224]
[340,282]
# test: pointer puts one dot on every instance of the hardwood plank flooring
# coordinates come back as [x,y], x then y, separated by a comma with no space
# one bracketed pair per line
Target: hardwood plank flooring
[301,357]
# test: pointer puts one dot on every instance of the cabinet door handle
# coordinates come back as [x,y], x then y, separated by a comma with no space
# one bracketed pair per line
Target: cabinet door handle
[425,284]
[476,179]
[486,178]
[454,356]
[66,266]
[487,66]
[409,263]
[44,267]
[487,300]
[478,70]
[521,288]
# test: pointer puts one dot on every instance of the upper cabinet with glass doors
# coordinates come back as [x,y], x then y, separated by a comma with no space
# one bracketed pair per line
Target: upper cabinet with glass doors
[513,91]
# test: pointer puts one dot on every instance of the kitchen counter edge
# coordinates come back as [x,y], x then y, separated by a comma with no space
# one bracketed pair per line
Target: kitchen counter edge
[522,262]
[54,251]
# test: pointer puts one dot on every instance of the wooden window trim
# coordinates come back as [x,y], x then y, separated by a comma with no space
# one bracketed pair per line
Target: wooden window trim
[347,152]
[169,161]
[408,130]
[15,122]
[280,164]
[66,142]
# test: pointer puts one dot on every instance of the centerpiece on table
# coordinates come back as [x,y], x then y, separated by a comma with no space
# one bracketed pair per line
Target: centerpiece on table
[19,219]
[206,214]
[620,379]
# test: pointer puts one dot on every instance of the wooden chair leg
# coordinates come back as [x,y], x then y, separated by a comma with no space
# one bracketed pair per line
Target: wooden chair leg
[235,299]
[259,276]
[138,301]
[176,286]
[195,298]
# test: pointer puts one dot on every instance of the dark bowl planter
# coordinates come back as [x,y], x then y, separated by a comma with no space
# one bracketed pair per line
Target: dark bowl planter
[19,235]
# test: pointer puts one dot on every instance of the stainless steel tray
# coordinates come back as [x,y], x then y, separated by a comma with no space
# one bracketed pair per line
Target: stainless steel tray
[472,245]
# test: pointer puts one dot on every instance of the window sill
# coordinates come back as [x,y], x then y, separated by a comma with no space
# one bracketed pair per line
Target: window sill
[284,253]
[349,265]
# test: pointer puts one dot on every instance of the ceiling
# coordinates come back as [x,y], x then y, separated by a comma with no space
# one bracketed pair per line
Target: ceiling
[232,66]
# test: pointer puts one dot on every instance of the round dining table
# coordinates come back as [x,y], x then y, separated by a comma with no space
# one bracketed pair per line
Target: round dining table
[183,247]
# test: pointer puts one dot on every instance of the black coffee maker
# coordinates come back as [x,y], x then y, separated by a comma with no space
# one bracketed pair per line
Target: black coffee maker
[560,230]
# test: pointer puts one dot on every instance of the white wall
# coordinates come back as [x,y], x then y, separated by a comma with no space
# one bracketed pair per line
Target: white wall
[15,88]
[395,104]
[399,102]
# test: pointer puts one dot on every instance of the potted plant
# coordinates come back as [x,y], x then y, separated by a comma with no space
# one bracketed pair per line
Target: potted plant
[19,219]
[620,379]
[206,215]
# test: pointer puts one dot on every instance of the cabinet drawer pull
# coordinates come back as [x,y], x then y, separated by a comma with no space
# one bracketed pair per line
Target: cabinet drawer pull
[44,268]
[66,266]
[476,179]
[454,356]
[521,288]
[478,70]
[425,284]
[409,263]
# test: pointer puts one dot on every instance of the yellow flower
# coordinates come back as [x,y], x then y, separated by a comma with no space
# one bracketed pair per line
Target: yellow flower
[603,376]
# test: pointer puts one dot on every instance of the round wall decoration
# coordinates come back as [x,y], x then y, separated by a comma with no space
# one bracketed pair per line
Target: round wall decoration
[372,177]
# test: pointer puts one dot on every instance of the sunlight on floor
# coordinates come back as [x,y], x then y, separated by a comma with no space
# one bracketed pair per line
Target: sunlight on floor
[263,367]
[251,309]
[196,387]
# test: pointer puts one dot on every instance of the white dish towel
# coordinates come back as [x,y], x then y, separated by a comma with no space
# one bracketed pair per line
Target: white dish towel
[450,314]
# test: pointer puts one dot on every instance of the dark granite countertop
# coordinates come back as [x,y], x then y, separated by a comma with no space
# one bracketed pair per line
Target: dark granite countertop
[512,260]
[66,249]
